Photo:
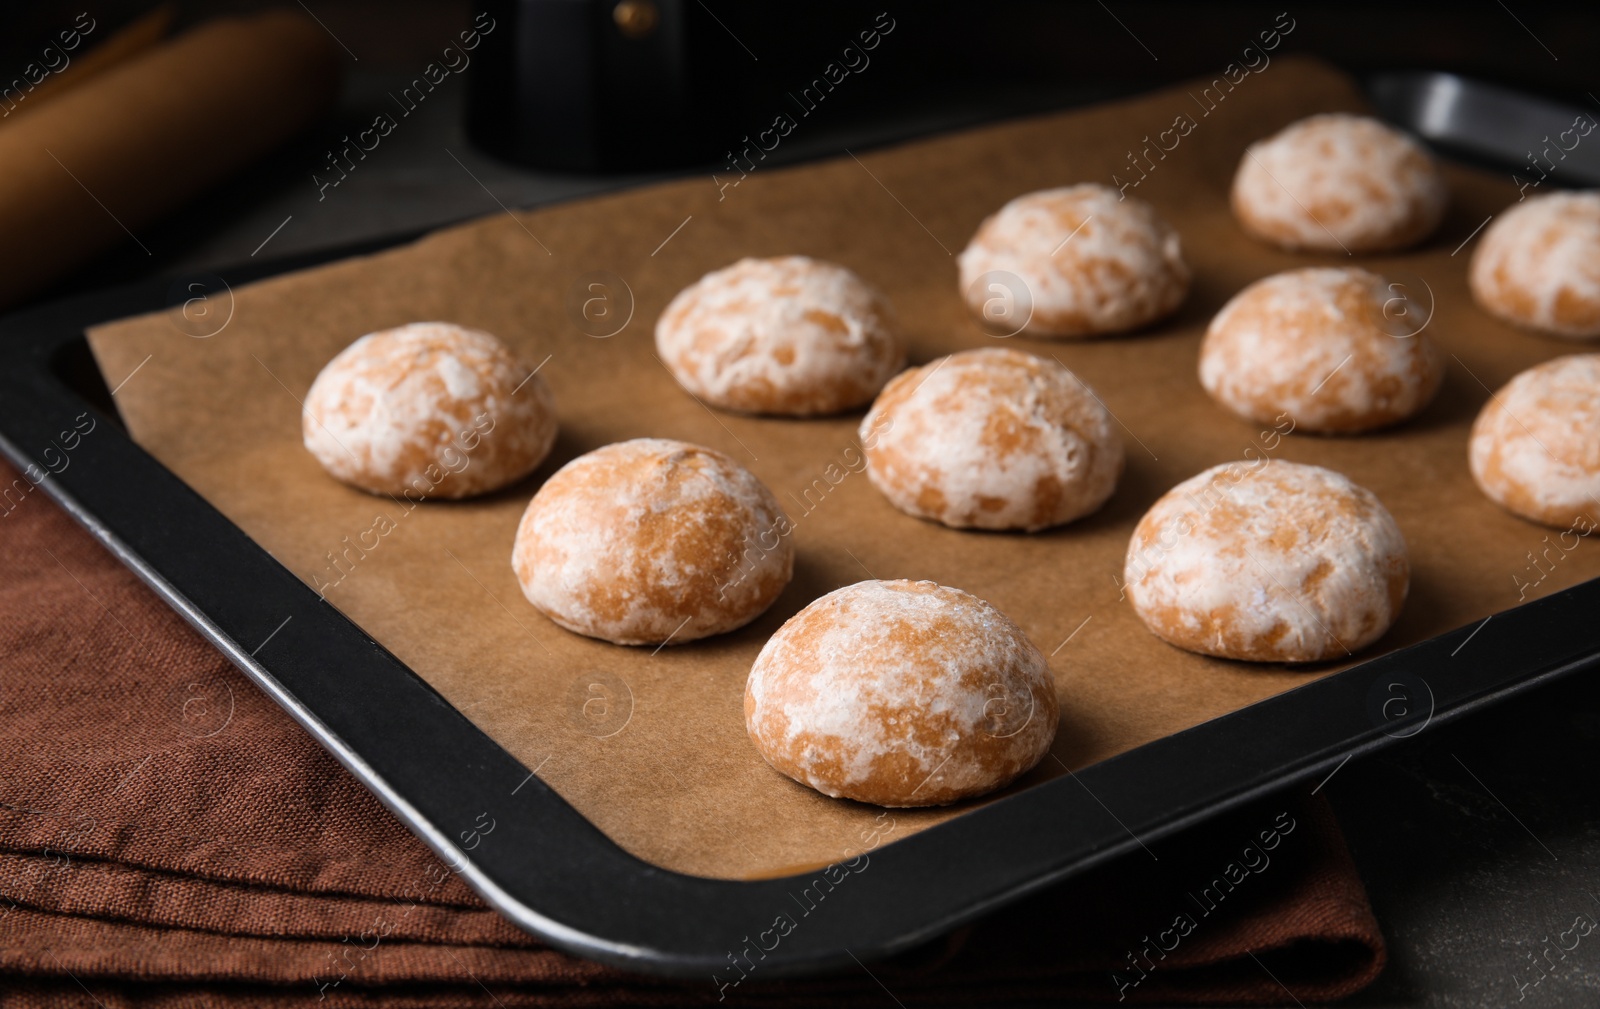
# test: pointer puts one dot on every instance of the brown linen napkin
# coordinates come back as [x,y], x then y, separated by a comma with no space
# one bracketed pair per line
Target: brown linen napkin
[169,837]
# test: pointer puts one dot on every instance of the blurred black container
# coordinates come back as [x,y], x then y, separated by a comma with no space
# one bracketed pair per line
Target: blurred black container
[633,85]
[603,85]
[630,85]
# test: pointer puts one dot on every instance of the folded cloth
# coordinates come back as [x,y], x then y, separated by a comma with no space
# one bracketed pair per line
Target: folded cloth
[169,837]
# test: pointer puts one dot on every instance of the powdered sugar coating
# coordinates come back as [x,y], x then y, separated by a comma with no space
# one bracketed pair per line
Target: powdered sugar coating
[790,335]
[901,693]
[1535,447]
[1268,561]
[429,409]
[1312,346]
[1538,265]
[1093,263]
[992,439]
[1340,183]
[653,540]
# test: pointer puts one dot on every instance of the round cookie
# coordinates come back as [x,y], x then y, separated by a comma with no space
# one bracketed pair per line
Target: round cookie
[1269,562]
[1091,263]
[1538,265]
[650,541]
[992,439]
[1535,448]
[429,409]
[1339,183]
[1314,346]
[901,693]
[790,335]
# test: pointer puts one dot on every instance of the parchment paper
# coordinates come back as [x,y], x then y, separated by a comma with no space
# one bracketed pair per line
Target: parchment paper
[650,745]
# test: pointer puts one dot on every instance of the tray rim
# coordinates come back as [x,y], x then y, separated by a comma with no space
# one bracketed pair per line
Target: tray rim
[570,884]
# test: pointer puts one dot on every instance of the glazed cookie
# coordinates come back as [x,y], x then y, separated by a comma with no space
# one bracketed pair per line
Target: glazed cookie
[992,439]
[1316,347]
[901,693]
[1535,448]
[1339,183]
[1091,263]
[1268,562]
[430,409]
[790,335]
[1538,265]
[651,541]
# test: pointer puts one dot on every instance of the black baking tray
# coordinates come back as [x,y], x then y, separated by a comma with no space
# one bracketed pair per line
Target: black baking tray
[550,870]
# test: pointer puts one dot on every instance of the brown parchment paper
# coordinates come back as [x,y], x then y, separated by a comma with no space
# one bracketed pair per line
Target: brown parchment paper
[650,744]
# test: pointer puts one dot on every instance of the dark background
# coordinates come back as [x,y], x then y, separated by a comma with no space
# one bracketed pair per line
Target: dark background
[1480,841]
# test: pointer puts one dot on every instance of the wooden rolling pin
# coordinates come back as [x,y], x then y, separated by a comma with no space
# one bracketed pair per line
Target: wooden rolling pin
[85,172]
[138,36]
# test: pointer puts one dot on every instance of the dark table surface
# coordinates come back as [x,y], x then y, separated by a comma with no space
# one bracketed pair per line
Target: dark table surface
[1479,840]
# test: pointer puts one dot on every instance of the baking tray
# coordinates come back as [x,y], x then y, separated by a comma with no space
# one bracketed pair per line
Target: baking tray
[542,864]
